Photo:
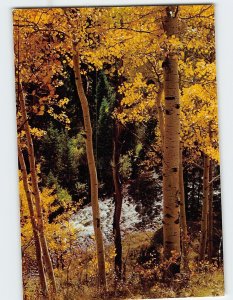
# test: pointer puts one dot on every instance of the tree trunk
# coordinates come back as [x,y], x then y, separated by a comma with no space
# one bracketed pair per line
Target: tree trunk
[210,221]
[171,202]
[36,192]
[38,249]
[184,231]
[118,200]
[92,168]
[205,208]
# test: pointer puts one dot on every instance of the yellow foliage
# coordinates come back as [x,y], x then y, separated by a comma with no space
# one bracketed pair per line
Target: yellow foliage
[199,119]
[57,232]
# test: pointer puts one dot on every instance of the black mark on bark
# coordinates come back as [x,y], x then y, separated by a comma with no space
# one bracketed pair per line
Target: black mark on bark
[170,98]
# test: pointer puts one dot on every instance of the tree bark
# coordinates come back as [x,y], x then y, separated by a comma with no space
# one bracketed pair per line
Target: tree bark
[36,191]
[91,167]
[184,231]
[160,113]
[171,202]
[205,208]
[38,249]
[210,220]
[118,200]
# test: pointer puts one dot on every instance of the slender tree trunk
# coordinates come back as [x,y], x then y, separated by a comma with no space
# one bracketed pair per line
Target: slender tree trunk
[193,193]
[210,221]
[183,223]
[36,192]
[92,169]
[38,249]
[118,200]
[205,208]
[210,215]
[171,202]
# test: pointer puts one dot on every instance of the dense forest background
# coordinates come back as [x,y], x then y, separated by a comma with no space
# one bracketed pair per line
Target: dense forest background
[118,152]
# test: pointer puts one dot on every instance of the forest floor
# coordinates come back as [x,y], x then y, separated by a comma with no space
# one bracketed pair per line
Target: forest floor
[204,279]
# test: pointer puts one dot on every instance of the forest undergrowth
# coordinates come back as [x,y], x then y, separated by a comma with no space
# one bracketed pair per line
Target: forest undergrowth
[202,279]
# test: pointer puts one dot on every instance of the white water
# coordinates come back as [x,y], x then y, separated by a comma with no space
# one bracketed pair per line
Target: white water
[131,220]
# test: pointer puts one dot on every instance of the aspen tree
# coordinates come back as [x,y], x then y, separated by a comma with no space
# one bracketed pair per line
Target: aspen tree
[171,154]
[210,206]
[210,219]
[183,223]
[36,192]
[91,167]
[205,208]
[36,237]
[118,199]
